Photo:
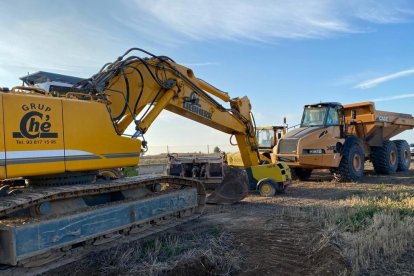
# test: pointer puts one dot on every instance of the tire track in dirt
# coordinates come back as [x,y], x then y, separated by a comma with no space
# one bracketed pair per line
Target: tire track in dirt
[278,245]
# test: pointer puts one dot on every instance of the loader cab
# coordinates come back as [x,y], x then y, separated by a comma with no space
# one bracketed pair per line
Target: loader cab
[269,136]
[322,115]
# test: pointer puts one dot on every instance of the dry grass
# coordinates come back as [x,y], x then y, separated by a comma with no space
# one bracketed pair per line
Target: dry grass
[199,253]
[384,239]
[372,225]
[376,229]
[370,231]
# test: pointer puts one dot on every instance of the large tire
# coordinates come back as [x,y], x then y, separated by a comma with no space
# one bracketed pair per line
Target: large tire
[404,155]
[351,167]
[301,174]
[385,158]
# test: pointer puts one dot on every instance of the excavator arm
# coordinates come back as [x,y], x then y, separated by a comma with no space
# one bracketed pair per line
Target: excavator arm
[137,90]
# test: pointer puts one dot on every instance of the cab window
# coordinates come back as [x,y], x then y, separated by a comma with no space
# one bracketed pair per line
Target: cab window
[314,116]
[265,138]
[333,117]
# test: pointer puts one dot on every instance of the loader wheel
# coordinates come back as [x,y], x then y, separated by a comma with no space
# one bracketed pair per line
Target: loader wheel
[266,188]
[385,158]
[351,167]
[404,155]
[301,174]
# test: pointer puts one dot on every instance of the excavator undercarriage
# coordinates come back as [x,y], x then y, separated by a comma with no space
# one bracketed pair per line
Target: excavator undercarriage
[40,221]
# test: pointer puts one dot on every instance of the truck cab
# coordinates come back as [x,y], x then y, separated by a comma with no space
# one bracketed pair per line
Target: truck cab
[322,115]
[315,143]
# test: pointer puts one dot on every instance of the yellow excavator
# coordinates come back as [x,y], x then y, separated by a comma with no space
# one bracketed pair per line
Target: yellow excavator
[54,141]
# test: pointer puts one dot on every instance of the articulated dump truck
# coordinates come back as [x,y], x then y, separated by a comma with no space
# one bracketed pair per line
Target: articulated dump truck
[342,137]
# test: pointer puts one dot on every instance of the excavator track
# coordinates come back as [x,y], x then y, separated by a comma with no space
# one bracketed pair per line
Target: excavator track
[41,225]
[57,258]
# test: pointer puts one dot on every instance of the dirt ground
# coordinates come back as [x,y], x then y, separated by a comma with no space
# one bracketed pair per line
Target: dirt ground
[274,244]
[273,236]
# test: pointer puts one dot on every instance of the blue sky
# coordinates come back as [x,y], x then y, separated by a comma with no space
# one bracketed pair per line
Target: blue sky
[281,54]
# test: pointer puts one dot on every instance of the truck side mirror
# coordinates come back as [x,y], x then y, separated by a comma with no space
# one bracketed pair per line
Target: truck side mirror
[284,120]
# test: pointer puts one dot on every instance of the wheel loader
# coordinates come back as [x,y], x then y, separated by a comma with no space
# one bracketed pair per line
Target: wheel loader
[54,143]
[342,137]
[267,137]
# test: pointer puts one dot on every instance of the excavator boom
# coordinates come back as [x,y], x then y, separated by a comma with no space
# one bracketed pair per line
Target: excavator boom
[138,90]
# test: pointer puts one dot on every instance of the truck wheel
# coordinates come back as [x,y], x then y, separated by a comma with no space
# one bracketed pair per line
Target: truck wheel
[404,155]
[301,174]
[385,158]
[351,167]
[267,189]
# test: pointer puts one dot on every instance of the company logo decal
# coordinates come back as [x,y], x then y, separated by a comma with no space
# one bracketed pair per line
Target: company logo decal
[192,103]
[383,118]
[35,123]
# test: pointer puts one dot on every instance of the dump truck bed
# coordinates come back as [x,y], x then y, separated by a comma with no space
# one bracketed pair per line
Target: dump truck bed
[374,125]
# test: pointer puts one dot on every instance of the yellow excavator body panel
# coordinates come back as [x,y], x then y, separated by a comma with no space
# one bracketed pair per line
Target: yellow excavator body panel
[50,135]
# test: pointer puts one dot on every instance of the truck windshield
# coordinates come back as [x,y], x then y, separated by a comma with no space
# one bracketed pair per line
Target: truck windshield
[314,116]
[265,137]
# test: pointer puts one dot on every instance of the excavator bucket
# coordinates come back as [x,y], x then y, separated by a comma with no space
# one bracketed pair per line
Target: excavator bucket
[233,188]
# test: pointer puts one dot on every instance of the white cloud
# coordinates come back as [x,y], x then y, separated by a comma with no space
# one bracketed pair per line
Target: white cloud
[81,39]
[392,98]
[351,79]
[374,82]
[381,12]
[36,45]
[262,20]
[68,42]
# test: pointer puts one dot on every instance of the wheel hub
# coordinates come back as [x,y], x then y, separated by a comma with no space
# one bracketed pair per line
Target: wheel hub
[266,189]
[356,162]
[393,157]
[407,155]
